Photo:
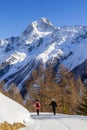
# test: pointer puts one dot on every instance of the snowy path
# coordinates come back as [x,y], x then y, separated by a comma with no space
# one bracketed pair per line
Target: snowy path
[58,122]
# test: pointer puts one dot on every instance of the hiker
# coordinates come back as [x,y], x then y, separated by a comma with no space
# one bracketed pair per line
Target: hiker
[54,105]
[37,106]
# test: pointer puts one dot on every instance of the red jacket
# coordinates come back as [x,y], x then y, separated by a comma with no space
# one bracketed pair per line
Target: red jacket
[37,105]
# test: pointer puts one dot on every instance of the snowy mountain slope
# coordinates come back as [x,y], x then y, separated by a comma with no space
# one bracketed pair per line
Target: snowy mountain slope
[41,42]
[47,121]
[12,111]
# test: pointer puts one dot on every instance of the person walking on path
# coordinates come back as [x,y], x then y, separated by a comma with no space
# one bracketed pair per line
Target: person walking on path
[54,105]
[37,106]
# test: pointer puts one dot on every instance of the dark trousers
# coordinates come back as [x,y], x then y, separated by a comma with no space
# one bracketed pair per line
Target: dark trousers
[54,110]
[37,112]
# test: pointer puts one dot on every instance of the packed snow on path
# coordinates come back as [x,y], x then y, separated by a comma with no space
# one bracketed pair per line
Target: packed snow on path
[47,121]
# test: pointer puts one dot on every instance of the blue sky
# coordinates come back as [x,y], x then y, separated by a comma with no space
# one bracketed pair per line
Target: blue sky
[16,15]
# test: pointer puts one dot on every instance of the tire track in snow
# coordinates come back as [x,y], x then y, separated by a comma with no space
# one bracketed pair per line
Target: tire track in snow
[72,123]
[44,123]
[64,124]
[47,121]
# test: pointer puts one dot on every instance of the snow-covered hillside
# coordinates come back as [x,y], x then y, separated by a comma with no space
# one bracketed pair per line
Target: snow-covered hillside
[11,112]
[41,42]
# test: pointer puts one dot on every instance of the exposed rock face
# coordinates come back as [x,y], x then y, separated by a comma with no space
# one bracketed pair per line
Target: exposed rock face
[42,43]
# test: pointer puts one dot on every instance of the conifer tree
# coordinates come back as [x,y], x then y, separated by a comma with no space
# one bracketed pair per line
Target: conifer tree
[45,85]
[82,106]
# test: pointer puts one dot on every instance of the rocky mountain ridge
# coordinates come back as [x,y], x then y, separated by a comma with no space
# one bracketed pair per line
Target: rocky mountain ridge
[41,42]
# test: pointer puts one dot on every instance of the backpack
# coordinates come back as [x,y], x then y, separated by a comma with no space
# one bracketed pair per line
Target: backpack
[37,104]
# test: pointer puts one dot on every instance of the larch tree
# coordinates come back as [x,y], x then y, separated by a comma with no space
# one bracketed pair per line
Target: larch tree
[82,106]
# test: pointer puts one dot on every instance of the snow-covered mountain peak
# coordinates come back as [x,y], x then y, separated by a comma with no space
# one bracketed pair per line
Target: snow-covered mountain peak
[44,25]
[74,29]
[45,20]
[41,27]
[41,41]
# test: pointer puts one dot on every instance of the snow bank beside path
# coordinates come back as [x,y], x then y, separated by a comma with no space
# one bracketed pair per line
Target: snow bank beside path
[12,111]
